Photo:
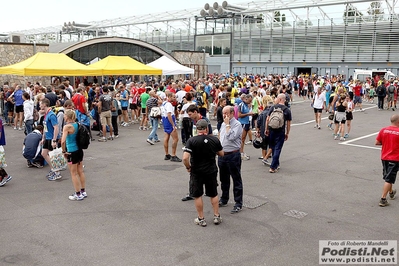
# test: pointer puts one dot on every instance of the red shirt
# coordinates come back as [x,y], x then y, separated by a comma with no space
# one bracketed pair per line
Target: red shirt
[389,137]
[357,90]
[79,100]
[135,95]
[141,90]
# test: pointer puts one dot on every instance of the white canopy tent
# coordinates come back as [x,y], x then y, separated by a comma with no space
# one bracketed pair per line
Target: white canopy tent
[94,60]
[170,67]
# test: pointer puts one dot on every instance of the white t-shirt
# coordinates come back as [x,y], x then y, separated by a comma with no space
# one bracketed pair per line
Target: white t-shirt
[262,92]
[319,100]
[166,108]
[161,95]
[67,94]
[184,108]
[179,95]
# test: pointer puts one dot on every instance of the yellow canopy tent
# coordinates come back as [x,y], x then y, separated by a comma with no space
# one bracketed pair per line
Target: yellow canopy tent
[49,64]
[124,65]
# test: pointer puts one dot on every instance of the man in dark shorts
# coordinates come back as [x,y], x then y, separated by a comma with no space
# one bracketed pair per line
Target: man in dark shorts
[50,129]
[195,116]
[199,159]
[388,137]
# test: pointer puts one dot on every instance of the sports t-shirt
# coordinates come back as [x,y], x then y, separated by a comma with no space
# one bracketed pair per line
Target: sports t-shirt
[166,108]
[389,137]
[244,109]
[144,98]
[203,149]
[124,94]
[105,100]
[79,100]
[357,90]
[50,120]
[18,97]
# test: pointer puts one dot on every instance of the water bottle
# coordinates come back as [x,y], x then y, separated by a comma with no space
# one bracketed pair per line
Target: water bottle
[195,133]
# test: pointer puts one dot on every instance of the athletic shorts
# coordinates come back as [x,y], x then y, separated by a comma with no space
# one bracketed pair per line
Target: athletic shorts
[198,181]
[343,121]
[167,127]
[389,171]
[143,111]
[316,110]
[75,157]
[331,100]
[19,109]
[47,144]
[133,106]
[124,108]
[245,127]
[349,116]
[265,143]
[357,99]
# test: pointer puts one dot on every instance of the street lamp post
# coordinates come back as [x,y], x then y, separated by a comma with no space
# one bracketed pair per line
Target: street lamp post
[203,50]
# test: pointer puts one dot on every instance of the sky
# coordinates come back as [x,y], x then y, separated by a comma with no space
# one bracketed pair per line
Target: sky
[28,14]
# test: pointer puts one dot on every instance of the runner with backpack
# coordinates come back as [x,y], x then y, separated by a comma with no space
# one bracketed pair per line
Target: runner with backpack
[278,125]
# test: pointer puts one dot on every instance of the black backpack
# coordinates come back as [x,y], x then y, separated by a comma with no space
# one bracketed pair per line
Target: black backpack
[199,98]
[391,88]
[83,137]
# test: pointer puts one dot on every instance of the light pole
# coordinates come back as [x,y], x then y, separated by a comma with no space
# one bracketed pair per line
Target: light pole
[203,50]
[34,47]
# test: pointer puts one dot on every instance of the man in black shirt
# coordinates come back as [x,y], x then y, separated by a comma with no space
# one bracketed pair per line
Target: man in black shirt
[195,116]
[199,159]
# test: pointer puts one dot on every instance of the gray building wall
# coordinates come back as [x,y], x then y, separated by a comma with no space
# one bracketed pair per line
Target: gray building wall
[11,53]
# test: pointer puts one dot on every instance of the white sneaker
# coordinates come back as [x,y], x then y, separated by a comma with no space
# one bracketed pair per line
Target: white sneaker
[244,156]
[84,194]
[217,219]
[76,197]
[248,142]
[150,141]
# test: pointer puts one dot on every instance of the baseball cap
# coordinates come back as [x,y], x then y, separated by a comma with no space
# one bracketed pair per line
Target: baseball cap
[202,124]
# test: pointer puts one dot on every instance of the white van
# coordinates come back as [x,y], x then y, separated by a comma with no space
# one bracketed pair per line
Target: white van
[362,74]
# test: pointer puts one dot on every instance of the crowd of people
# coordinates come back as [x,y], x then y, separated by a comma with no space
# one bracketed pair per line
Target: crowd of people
[253,107]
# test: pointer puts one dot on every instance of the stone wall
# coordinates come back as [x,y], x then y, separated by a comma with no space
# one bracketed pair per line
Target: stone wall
[192,59]
[11,53]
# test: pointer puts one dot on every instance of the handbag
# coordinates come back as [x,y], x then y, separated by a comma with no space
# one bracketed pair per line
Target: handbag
[155,112]
[2,157]
[57,159]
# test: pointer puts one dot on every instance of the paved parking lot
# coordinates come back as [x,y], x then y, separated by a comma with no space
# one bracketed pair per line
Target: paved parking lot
[325,190]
